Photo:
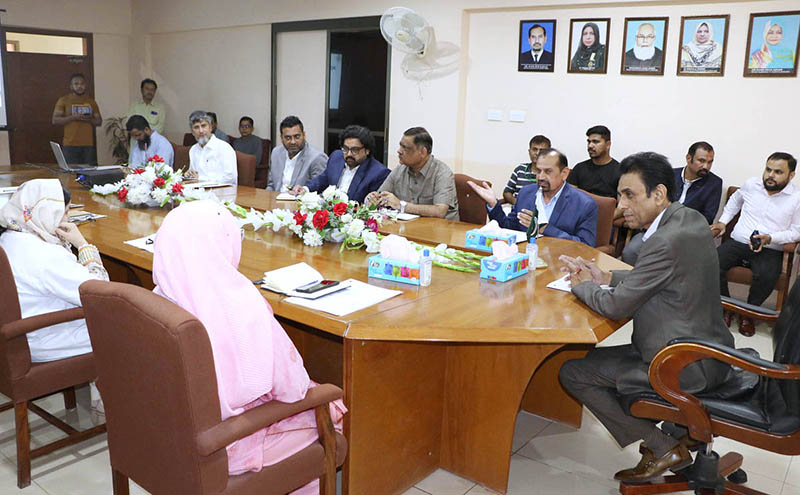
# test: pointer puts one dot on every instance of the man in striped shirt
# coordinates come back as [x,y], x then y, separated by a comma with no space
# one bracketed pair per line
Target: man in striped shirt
[525,173]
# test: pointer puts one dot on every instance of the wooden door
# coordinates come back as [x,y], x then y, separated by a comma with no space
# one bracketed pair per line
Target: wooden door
[35,82]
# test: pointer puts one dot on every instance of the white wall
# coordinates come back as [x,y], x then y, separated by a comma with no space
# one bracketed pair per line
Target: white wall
[745,119]
[110,22]
[300,79]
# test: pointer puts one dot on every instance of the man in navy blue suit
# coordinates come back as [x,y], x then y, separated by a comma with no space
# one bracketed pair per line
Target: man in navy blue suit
[564,211]
[352,168]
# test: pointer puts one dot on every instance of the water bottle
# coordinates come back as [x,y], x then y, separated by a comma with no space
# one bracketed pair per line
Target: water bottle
[425,268]
[532,250]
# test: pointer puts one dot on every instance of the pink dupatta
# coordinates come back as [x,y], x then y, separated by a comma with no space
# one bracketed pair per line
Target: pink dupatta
[197,252]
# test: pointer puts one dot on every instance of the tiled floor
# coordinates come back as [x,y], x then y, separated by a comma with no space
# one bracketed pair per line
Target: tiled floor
[548,458]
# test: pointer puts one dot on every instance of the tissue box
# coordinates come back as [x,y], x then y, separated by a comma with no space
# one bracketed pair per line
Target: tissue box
[483,242]
[397,271]
[503,271]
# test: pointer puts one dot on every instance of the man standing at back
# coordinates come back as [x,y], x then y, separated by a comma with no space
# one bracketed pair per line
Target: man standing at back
[210,158]
[697,186]
[600,173]
[295,162]
[770,218]
[79,114]
[148,108]
[670,293]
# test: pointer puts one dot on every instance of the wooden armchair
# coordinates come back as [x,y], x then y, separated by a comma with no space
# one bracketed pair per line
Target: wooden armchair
[605,222]
[159,387]
[759,405]
[471,208]
[23,381]
[743,275]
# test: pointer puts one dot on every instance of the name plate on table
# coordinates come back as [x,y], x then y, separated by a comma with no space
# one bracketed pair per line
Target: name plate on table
[396,271]
[481,241]
[503,271]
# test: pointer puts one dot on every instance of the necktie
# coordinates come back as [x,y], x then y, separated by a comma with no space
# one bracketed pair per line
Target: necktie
[536,59]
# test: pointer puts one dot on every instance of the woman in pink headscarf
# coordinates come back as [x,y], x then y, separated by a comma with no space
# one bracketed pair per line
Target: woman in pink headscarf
[197,252]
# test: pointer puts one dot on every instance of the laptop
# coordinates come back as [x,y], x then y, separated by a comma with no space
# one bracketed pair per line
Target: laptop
[63,165]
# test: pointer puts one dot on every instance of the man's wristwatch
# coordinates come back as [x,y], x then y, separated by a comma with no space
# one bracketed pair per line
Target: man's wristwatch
[403,206]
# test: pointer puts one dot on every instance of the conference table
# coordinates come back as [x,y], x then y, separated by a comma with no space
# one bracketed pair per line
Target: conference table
[433,378]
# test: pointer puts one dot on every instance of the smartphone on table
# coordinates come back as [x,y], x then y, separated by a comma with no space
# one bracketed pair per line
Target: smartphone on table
[316,286]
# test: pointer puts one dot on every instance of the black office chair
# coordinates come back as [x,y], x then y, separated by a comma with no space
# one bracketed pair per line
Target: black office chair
[759,405]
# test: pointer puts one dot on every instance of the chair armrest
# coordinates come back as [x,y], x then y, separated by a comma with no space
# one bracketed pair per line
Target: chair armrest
[223,434]
[749,310]
[790,247]
[31,323]
[666,367]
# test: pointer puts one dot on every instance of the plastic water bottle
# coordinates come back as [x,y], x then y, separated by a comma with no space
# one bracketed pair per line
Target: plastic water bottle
[532,251]
[425,268]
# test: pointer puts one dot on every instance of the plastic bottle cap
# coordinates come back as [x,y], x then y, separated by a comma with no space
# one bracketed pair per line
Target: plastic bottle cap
[426,252]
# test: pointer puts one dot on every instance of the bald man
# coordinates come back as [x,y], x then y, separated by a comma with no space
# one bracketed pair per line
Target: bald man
[644,56]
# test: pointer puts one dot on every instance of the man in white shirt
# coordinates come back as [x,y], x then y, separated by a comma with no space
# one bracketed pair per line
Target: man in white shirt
[770,206]
[146,143]
[210,158]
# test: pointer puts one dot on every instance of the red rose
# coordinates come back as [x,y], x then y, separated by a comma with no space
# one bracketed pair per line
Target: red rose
[299,218]
[339,209]
[177,188]
[138,171]
[372,224]
[320,219]
[122,194]
[157,159]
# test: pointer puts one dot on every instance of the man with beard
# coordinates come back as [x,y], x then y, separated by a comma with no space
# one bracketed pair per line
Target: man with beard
[699,188]
[644,56]
[770,206]
[600,173]
[670,293]
[352,168]
[537,58]
[210,158]
[147,143]
[295,162]
[79,114]
[563,211]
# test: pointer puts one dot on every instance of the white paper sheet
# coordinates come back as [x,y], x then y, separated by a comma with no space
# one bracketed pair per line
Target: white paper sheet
[313,295]
[205,184]
[146,243]
[355,298]
[564,284]
[407,216]
[285,196]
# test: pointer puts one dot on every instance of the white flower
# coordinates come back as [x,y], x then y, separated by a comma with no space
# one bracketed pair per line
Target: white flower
[159,194]
[310,202]
[312,238]
[341,196]
[371,240]
[354,228]
[106,189]
[332,194]
[377,215]
[149,175]
[346,218]
[256,219]
[138,194]
[296,229]
[329,193]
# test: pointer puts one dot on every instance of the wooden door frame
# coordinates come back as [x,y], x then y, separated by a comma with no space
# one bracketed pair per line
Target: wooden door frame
[346,24]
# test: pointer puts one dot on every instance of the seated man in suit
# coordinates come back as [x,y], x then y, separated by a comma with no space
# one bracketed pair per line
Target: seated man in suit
[697,186]
[671,292]
[353,168]
[210,158]
[421,184]
[564,211]
[294,162]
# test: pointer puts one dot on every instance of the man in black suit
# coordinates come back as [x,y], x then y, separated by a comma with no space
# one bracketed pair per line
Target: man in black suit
[537,58]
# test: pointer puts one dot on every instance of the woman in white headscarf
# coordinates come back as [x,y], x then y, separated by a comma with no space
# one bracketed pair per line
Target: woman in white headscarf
[702,54]
[38,238]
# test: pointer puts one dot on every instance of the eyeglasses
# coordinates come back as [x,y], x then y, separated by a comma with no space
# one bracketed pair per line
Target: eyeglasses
[354,150]
[645,37]
[246,126]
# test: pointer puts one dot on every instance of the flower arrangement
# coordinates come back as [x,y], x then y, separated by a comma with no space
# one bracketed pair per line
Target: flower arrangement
[154,184]
[330,216]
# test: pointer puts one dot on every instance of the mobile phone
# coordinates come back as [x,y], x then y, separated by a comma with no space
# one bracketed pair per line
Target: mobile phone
[316,286]
[755,241]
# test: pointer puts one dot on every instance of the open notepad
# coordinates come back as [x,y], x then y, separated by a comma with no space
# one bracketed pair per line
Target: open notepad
[285,280]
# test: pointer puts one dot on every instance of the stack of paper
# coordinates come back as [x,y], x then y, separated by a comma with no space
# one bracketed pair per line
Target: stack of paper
[285,196]
[357,297]
[285,280]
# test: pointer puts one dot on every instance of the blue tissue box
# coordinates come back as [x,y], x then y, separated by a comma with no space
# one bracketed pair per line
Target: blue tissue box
[503,271]
[483,242]
[396,271]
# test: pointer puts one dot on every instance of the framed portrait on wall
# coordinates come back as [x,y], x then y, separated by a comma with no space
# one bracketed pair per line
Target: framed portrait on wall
[644,45]
[588,45]
[772,44]
[703,45]
[537,43]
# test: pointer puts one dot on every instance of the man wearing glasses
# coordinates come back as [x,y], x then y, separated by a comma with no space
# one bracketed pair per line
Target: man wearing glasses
[422,185]
[352,168]
[249,143]
[644,56]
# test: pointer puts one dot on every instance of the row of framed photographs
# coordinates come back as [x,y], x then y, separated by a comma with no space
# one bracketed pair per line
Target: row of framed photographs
[773,41]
